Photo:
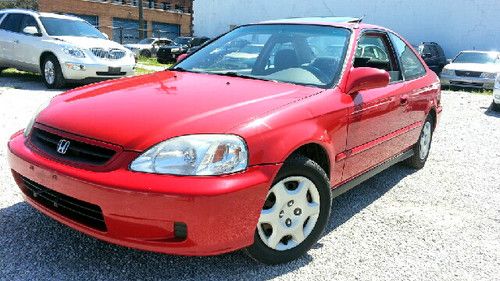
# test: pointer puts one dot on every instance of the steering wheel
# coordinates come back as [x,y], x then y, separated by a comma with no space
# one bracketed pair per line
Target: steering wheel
[318,73]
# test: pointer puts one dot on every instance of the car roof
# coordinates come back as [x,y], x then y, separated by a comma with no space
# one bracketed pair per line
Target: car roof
[36,14]
[347,22]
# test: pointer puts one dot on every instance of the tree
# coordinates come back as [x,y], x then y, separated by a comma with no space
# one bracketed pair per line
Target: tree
[20,4]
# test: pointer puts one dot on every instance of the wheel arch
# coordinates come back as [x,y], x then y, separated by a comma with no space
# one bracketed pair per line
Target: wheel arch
[314,151]
[44,55]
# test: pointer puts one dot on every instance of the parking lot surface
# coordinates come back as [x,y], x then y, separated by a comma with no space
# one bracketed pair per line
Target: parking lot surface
[439,223]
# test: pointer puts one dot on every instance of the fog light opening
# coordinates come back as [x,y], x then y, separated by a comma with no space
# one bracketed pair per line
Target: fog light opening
[180,230]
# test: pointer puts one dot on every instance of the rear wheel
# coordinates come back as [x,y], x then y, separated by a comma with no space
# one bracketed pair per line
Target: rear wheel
[295,213]
[52,73]
[422,148]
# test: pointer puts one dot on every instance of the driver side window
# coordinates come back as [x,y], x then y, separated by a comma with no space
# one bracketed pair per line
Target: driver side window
[374,50]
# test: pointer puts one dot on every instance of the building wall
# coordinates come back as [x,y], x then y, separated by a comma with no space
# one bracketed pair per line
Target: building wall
[455,24]
[107,11]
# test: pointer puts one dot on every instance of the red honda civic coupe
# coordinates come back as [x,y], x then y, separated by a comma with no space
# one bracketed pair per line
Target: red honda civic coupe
[241,145]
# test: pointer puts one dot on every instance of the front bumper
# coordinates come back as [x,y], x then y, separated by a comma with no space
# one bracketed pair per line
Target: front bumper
[467,82]
[80,71]
[140,210]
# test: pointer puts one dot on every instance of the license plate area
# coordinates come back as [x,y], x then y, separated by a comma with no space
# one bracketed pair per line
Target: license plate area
[114,70]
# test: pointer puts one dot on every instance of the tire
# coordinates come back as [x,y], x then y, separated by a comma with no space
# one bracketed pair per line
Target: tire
[145,53]
[52,73]
[302,191]
[495,107]
[161,61]
[423,146]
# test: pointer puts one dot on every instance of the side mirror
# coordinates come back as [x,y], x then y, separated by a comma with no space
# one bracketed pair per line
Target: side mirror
[366,78]
[448,61]
[31,30]
[181,57]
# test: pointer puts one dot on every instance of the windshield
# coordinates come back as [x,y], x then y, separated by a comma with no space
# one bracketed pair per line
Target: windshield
[181,41]
[299,54]
[146,41]
[68,27]
[482,58]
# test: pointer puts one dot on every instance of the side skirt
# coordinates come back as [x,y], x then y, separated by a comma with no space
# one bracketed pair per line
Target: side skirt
[343,188]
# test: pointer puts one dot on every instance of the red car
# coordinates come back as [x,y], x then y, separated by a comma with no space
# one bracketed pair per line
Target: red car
[218,154]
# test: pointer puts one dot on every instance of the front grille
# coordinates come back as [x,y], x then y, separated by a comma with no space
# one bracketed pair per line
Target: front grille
[77,151]
[82,212]
[468,73]
[112,54]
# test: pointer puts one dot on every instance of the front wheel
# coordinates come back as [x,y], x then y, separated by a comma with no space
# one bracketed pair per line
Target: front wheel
[495,106]
[422,147]
[295,213]
[52,73]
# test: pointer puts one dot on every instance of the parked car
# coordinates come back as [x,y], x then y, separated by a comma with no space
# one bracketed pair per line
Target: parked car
[433,55]
[148,47]
[181,45]
[496,94]
[204,160]
[61,48]
[472,69]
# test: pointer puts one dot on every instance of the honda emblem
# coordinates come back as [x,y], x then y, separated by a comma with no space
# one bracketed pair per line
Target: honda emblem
[62,146]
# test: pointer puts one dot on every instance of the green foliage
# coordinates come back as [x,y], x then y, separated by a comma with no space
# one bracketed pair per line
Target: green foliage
[20,4]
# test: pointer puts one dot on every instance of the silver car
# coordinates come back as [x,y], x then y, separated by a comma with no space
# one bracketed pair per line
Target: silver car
[472,69]
[148,47]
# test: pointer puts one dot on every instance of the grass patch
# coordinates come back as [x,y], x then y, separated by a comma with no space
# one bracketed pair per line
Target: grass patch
[474,91]
[151,62]
[142,71]
[23,75]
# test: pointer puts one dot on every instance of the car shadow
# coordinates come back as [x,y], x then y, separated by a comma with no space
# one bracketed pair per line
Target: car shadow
[35,245]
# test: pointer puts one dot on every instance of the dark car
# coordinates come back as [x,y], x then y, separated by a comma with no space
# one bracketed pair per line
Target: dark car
[181,45]
[433,55]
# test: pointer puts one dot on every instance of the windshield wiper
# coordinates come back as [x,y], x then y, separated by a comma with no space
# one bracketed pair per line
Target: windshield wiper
[236,74]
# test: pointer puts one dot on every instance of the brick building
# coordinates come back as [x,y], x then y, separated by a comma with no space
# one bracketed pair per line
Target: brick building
[119,18]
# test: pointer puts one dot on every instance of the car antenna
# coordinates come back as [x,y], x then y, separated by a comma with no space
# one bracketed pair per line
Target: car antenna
[357,21]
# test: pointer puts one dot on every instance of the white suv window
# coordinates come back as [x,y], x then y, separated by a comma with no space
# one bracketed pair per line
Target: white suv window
[12,22]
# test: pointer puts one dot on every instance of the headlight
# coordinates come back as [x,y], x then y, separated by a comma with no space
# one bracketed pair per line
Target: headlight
[175,50]
[448,72]
[75,52]
[195,155]
[30,125]
[488,75]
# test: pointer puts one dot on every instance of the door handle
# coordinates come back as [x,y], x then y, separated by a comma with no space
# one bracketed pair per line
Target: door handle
[404,100]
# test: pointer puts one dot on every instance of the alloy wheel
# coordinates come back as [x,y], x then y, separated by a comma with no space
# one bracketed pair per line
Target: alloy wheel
[49,72]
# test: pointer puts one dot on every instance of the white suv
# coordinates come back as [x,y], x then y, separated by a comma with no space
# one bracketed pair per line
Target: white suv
[61,48]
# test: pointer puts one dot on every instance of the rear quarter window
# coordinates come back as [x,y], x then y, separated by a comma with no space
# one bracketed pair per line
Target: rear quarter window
[410,64]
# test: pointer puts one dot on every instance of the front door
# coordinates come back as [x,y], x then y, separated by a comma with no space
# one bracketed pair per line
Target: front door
[375,120]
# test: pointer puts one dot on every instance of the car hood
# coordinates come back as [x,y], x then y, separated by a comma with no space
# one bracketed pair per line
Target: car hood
[491,68]
[87,42]
[141,111]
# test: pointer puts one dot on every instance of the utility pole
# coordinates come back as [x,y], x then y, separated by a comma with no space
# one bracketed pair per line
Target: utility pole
[141,21]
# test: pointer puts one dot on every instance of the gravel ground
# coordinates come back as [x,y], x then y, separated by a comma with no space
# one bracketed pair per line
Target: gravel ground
[440,223]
